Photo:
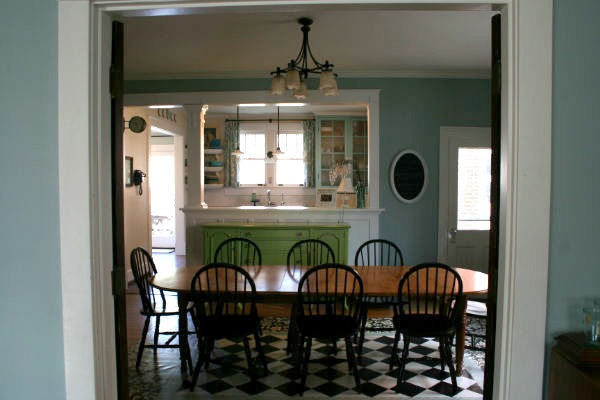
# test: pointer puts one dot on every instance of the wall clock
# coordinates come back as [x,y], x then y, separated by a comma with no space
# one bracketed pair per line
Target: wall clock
[408,176]
[137,124]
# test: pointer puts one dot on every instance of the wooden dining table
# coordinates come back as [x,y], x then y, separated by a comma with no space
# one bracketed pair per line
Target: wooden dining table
[277,284]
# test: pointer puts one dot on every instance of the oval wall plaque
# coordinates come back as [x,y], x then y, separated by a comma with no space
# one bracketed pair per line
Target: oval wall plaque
[408,176]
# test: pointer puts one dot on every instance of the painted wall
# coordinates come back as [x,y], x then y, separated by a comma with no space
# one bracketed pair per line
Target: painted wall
[575,220]
[138,230]
[411,113]
[31,334]
[30,287]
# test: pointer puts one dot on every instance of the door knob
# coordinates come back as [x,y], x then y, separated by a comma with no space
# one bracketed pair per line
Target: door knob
[452,235]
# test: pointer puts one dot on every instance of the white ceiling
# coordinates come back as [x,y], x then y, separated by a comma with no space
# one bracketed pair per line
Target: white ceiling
[365,41]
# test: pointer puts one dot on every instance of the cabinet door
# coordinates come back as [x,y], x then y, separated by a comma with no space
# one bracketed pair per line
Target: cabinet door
[213,237]
[274,244]
[360,150]
[337,238]
[331,148]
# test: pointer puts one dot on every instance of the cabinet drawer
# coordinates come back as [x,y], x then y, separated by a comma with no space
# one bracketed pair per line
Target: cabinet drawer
[275,234]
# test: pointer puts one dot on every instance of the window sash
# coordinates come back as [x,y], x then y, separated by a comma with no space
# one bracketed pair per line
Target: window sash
[256,138]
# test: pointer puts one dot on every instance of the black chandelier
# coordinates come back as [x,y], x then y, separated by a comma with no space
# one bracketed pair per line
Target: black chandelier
[294,76]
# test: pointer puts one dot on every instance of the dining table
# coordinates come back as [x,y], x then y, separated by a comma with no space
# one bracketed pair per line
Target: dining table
[278,284]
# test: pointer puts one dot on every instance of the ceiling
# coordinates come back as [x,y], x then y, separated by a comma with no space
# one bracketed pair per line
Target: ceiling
[361,41]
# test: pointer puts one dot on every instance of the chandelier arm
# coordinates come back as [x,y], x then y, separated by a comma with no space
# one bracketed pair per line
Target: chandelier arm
[319,67]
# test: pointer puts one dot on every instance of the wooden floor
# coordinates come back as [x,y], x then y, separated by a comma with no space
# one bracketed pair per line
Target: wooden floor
[135,321]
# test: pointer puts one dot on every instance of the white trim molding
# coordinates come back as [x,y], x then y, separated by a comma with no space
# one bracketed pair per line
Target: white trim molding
[89,347]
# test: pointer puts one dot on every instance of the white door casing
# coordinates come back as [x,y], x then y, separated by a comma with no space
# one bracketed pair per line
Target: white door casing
[459,245]
[525,164]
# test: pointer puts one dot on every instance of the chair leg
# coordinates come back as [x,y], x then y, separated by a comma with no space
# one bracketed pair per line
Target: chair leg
[156,332]
[261,353]
[305,361]
[292,334]
[202,345]
[401,377]
[352,360]
[248,357]
[142,343]
[210,345]
[447,348]
[442,352]
[394,356]
[363,327]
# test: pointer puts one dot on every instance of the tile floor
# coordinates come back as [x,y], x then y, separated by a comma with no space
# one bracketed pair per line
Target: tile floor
[159,376]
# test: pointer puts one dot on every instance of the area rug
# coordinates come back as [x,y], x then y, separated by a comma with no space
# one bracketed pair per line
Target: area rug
[159,375]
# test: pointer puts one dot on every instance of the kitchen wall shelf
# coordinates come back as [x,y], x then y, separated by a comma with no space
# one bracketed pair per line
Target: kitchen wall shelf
[213,168]
[213,151]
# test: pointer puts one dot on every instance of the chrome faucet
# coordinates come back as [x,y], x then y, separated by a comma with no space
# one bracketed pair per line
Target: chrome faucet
[269,202]
[282,201]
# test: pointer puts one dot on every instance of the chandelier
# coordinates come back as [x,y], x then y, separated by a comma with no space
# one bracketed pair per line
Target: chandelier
[294,76]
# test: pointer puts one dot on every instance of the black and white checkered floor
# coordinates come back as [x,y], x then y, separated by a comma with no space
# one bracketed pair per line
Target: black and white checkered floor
[159,377]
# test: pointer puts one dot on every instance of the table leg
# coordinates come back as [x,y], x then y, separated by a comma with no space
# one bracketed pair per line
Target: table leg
[461,327]
[184,347]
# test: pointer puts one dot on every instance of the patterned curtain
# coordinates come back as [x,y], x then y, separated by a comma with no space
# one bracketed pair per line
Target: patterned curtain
[308,127]
[231,162]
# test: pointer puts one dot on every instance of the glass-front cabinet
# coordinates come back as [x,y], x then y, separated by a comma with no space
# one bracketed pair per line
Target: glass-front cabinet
[360,151]
[341,138]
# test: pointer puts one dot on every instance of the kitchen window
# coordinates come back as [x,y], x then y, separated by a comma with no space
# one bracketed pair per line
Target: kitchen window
[259,166]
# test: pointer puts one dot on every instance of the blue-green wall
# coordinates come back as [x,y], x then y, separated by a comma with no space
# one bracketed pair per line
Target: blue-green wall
[411,113]
[575,219]
[30,316]
[31,337]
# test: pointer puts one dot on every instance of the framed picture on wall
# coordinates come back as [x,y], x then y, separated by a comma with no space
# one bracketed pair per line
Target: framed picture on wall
[128,171]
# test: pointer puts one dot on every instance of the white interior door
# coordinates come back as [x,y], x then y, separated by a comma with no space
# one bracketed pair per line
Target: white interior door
[464,197]
[162,184]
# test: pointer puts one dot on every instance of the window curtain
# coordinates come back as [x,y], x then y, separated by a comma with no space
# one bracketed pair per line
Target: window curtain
[308,127]
[231,162]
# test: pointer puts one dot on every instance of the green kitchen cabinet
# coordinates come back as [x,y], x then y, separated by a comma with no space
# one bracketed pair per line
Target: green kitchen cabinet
[275,240]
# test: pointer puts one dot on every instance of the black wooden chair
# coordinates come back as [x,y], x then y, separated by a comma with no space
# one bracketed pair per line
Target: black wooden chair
[154,304]
[430,294]
[310,252]
[328,307]
[224,297]
[238,251]
[307,252]
[376,252]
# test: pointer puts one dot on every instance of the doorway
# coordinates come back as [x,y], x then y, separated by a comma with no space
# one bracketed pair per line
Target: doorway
[464,197]
[162,192]
[526,126]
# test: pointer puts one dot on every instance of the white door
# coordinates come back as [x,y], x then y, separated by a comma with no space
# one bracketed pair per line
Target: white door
[162,195]
[464,197]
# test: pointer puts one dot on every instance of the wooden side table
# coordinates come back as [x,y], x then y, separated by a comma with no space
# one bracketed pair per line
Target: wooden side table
[574,369]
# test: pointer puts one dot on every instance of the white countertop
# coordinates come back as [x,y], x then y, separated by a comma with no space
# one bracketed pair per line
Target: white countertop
[199,207]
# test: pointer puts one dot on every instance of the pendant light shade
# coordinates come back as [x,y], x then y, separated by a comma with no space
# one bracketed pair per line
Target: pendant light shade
[327,80]
[297,70]
[333,91]
[278,85]
[292,80]
[301,93]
